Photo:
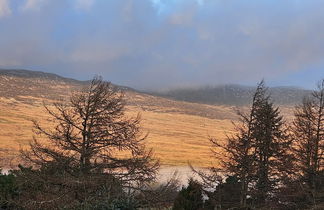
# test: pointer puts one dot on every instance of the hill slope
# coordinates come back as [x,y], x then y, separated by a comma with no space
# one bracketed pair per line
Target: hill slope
[178,131]
[234,95]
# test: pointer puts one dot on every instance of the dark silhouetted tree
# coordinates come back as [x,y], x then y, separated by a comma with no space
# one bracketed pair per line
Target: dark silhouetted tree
[226,195]
[308,133]
[8,191]
[190,197]
[92,149]
[237,155]
[259,153]
[272,147]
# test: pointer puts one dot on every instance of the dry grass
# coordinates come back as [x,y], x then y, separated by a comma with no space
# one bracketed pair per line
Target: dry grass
[176,138]
[178,131]
[179,138]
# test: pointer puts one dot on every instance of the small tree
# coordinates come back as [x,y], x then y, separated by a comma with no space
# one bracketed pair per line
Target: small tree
[189,198]
[226,195]
[92,146]
[8,190]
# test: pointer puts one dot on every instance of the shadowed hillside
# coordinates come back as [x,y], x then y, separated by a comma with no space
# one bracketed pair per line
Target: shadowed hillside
[234,95]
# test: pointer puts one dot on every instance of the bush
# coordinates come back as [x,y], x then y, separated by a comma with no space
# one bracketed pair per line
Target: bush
[8,190]
[190,197]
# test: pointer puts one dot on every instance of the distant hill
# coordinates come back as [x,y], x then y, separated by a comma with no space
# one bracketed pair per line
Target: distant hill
[53,86]
[234,95]
[30,87]
[21,83]
[22,73]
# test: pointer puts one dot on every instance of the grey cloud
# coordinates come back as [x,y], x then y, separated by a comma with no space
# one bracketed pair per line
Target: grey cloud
[192,42]
[4,8]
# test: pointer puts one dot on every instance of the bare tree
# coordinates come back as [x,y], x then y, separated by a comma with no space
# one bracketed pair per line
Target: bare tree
[92,137]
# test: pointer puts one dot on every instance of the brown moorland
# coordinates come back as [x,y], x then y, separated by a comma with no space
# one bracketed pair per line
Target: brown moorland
[178,131]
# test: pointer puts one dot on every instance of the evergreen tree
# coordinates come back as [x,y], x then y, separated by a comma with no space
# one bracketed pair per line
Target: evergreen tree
[271,146]
[258,154]
[190,197]
[226,195]
[237,156]
[308,133]
[8,190]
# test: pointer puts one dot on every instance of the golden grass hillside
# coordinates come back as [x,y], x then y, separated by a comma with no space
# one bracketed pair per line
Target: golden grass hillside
[175,136]
[178,131]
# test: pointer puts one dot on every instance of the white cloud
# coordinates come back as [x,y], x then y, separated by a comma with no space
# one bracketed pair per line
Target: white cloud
[84,4]
[4,8]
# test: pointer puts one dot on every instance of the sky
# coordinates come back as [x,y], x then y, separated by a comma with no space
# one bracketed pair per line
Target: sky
[162,44]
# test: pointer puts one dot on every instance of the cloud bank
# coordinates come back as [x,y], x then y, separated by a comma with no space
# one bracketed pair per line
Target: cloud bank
[151,44]
[4,8]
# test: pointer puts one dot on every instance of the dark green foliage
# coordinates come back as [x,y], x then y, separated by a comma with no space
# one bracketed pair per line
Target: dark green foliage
[190,197]
[122,203]
[48,188]
[226,195]
[8,190]
[271,145]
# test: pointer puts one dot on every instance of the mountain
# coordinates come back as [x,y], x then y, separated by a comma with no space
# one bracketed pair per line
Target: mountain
[40,84]
[178,130]
[234,95]
[22,73]
[23,84]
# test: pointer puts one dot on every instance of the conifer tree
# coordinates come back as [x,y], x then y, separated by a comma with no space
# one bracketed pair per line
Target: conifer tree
[190,197]
[237,155]
[258,154]
[271,145]
[308,133]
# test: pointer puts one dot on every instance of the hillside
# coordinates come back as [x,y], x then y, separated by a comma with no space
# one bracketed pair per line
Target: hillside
[178,130]
[233,95]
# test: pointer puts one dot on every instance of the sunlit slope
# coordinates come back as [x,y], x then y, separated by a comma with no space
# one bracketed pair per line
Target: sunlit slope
[178,131]
[175,136]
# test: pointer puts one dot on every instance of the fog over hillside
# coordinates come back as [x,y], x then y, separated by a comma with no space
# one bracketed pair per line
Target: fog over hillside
[219,95]
[234,94]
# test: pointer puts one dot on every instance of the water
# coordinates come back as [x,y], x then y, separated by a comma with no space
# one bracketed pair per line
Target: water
[182,173]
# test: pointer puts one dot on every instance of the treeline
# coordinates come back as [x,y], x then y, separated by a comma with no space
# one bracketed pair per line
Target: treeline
[94,157]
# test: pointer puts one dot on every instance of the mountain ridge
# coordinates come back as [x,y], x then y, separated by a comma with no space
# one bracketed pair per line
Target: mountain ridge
[24,73]
[230,94]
